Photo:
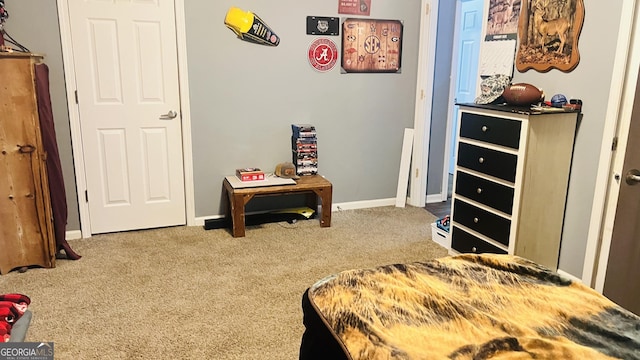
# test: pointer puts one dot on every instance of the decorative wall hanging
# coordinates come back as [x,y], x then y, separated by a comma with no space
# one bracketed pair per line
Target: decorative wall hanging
[497,51]
[317,25]
[371,46]
[323,54]
[249,27]
[502,22]
[354,7]
[548,31]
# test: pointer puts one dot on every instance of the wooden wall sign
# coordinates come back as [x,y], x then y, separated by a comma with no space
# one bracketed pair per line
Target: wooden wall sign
[371,46]
[354,7]
[548,31]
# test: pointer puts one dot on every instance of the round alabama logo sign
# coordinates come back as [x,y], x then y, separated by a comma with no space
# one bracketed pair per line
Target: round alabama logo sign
[323,54]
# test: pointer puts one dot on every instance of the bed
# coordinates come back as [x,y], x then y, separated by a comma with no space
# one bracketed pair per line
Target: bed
[463,307]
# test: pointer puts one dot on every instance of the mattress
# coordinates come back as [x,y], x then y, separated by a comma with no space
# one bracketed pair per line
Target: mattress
[463,307]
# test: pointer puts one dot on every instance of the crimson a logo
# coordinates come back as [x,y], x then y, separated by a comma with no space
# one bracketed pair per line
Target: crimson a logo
[323,54]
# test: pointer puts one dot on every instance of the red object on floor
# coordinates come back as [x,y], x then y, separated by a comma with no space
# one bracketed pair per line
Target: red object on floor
[12,306]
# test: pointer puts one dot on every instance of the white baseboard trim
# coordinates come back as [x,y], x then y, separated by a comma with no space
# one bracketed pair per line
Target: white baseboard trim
[572,277]
[200,220]
[73,235]
[354,205]
[434,198]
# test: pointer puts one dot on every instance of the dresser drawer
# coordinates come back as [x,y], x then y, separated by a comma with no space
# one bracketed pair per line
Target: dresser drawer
[463,242]
[491,162]
[486,192]
[493,130]
[494,226]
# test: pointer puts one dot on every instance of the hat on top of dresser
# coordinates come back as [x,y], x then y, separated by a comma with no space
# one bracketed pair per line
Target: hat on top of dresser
[491,88]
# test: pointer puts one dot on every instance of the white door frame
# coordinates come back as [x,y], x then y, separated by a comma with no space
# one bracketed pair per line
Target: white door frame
[74,115]
[424,96]
[621,98]
[453,80]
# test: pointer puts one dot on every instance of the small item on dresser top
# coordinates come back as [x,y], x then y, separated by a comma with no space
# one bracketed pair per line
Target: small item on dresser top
[522,94]
[250,174]
[574,104]
[286,170]
[558,100]
[491,89]
[540,109]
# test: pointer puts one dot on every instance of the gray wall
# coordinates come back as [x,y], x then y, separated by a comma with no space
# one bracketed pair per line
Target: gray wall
[34,24]
[590,81]
[244,96]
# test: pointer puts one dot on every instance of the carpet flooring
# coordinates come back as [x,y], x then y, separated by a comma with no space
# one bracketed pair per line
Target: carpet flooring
[189,293]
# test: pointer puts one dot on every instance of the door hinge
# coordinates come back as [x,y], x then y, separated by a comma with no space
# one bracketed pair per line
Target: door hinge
[76,95]
[614,144]
[86,195]
[427,9]
[417,172]
[421,94]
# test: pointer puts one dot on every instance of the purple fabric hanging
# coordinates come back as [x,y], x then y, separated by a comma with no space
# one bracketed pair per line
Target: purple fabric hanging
[54,168]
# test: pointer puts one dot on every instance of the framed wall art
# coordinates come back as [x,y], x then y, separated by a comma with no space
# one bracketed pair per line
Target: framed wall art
[548,31]
[371,46]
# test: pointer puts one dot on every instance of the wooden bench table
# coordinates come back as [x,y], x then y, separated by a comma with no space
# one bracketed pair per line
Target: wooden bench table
[315,186]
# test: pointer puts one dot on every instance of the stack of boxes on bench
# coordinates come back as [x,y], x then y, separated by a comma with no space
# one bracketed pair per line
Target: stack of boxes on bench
[304,143]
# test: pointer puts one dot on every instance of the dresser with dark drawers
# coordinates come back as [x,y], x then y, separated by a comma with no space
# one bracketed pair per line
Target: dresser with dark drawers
[510,181]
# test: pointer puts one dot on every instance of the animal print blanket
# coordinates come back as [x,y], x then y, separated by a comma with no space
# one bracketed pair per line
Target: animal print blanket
[463,307]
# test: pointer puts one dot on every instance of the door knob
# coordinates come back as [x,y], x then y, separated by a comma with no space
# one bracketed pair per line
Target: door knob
[168,116]
[633,176]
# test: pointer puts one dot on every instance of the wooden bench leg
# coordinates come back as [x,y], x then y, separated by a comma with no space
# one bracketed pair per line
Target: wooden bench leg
[237,214]
[325,195]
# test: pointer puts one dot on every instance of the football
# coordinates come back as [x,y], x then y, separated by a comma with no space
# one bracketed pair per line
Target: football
[522,94]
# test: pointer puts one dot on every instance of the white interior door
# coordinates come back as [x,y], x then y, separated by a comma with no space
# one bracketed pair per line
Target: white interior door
[466,67]
[126,71]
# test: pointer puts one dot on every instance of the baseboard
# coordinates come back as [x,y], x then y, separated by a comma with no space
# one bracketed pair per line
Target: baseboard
[199,221]
[354,205]
[73,234]
[434,198]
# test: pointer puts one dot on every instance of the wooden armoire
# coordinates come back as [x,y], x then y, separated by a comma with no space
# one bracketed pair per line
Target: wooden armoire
[26,226]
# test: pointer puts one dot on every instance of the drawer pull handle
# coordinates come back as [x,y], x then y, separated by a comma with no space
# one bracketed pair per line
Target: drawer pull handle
[481,160]
[484,128]
[479,190]
[473,249]
[476,220]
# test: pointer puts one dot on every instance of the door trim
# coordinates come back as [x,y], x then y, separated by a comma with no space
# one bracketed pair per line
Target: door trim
[453,81]
[621,97]
[74,115]
[424,96]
